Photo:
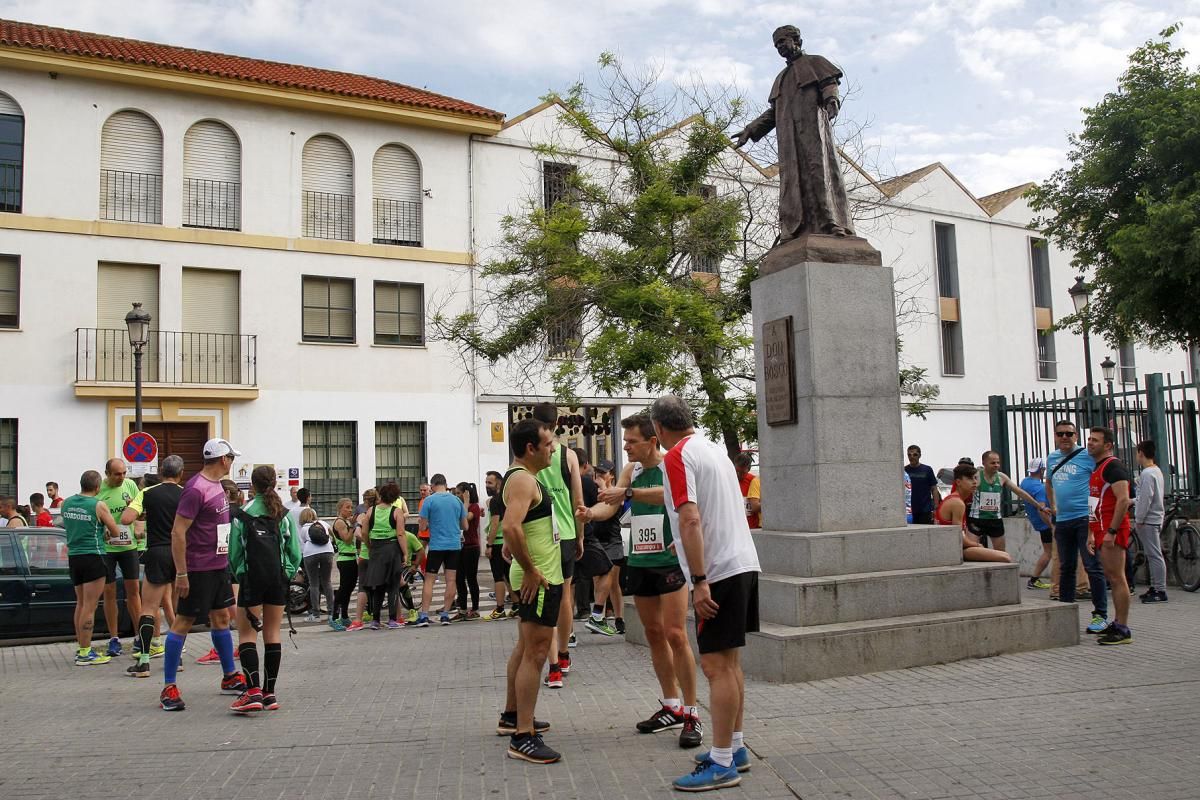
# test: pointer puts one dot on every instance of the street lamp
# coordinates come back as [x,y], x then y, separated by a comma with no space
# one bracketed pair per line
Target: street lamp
[1081,298]
[137,322]
[1109,368]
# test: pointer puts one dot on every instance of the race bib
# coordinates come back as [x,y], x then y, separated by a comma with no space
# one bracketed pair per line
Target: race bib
[1094,507]
[223,538]
[746,502]
[646,533]
[989,502]
[554,529]
[124,537]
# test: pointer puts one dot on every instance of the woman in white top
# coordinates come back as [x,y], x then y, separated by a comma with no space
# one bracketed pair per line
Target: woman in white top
[318,563]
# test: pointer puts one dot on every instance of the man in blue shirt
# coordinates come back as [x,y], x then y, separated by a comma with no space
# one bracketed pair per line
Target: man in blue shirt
[924,483]
[445,517]
[1035,488]
[1067,491]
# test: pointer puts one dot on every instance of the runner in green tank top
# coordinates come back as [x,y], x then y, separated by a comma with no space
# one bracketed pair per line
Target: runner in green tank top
[120,552]
[984,516]
[89,525]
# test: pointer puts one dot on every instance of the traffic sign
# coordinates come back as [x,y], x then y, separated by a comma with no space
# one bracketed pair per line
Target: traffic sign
[141,452]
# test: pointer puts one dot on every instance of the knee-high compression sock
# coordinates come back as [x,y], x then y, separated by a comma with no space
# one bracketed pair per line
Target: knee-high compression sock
[273,656]
[171,657]
[248,652]
[223,643]
[145,635]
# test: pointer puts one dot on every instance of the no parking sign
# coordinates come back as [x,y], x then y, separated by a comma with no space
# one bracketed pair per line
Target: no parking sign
[141,453]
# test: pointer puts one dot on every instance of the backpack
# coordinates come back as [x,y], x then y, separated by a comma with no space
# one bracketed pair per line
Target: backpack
[318,535]
[264,562]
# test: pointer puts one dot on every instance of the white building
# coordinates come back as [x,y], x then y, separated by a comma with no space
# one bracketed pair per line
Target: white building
[289,229]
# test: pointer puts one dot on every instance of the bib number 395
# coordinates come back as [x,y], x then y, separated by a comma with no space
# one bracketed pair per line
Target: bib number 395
[647,533]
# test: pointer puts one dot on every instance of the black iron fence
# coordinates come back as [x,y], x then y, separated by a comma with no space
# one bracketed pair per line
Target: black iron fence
[173,357]
[11,175]
[328,216]
[212,204]
[130,196]
[397,222]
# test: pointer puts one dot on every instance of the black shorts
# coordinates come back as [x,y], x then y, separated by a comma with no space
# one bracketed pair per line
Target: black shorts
[441,559]
[272,594]
[159,564]
[498,564]
[86,568]
[1047,535]
[208,590]
[737,614]
[985,528]
[653,581]
[568,558]
[543,610]
[925,518]
[127,560]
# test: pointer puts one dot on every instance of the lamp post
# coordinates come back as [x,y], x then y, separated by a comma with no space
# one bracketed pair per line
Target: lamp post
[137,322]
[1109,368]
[1081,298]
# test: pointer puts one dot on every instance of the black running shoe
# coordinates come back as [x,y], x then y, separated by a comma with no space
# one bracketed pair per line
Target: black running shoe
[692,734]
[530,747]
[1116,634]
[507,726]
[139,670]
[664,719]
[620,626]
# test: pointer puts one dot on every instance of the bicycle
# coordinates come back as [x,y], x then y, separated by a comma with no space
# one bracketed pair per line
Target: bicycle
[1185,549]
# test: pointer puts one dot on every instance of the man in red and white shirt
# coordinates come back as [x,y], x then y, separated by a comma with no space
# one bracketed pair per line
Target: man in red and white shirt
[1109,528]
[705,506]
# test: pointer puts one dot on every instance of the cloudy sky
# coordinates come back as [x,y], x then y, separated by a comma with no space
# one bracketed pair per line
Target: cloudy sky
[989,87]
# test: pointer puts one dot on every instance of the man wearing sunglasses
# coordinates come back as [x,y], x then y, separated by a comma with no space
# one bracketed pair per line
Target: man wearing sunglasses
[1068,487]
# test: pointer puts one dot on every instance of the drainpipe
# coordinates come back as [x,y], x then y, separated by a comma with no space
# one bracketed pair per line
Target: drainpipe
[471,268]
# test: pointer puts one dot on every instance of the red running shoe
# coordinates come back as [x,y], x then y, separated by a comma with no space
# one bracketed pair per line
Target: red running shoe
[210,657]
[248,703]
[170,699]
[234,683]
[270,702]
[554,678]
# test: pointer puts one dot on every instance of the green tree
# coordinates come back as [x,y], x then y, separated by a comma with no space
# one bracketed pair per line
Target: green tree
[1128,203]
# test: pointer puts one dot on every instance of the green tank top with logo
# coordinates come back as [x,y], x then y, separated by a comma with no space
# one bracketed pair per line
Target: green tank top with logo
[556,479]
[85,531]
[540,537]
[346,551]
[381,524]
[986,502]
[649,526]
[117,498]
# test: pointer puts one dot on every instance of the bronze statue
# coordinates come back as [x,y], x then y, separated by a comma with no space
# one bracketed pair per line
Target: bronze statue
[804,101]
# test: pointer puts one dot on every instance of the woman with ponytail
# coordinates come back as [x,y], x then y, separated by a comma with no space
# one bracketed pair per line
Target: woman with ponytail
[386,549]
[347,564]
[264,554]
[467,577]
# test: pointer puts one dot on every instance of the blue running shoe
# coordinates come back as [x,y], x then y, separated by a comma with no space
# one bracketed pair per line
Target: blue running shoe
[708,775]
[422,621]
[1098,624]
[445,618]
[741,759]
[114,647]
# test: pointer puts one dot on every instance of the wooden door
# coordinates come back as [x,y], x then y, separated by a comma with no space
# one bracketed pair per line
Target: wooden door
[183,439]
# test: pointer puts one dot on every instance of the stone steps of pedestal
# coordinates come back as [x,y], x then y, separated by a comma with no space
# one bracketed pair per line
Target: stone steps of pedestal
[789,654]
[793,601]
[808,555]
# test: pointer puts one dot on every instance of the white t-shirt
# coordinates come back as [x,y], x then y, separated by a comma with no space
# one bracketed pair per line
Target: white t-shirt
[699,471]
[308,547]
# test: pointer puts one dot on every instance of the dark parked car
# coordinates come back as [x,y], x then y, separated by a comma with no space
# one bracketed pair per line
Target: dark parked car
[36,595]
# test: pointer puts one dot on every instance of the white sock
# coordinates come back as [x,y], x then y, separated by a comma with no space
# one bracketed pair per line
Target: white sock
[692,711]
[722,756]
[672,703]
[738,741]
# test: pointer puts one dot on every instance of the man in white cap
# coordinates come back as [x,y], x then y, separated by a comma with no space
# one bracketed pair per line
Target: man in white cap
[1035,487]
[200,548]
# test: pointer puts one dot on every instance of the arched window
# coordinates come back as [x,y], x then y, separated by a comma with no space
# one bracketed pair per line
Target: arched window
[327,187]
[131,168]
[212,177]
[12,153]
[396,177]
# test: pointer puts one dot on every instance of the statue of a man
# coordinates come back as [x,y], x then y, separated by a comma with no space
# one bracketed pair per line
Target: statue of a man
[804,101]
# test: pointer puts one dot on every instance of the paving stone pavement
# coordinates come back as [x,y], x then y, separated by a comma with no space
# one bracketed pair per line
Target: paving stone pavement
[411,713]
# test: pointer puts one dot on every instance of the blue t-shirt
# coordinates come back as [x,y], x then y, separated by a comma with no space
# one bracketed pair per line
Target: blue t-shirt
[1037,490]
[922,479]
[445,513]
[1071,490]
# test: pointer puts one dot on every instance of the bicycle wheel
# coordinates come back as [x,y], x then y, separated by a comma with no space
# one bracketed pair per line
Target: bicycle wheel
[1137,569]
[1186,556]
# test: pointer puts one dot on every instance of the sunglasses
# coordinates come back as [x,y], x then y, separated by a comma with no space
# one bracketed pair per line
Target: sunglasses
[1064,433]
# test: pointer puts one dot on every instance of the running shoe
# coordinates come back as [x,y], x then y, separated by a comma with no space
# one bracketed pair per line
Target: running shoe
[311,618]
[664,719]
[114,647]
[248,702]
[457,616]
[693,732]
[600,626]
[411,617]
[375,625]
[355,626]
[511,613]
[564,663]
[554,678]
[367,617]
[620,625]
[156,650]
[1054,597]
[507,726]
[530,747]
[741,759]
[572,641]
[1037,583]
[472,615]
[1098,624]
[1116,634]
[171,699]
[707,775]
[393,625]
[233,683]
[1154,596]
[210,657]
[139,670]
[444,618]
[497,613]
[91,658]
[1083,594]
[270,702]
[422,621]
[336,625]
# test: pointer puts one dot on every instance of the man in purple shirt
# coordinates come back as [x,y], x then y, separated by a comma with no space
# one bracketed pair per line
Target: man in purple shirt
[200,547]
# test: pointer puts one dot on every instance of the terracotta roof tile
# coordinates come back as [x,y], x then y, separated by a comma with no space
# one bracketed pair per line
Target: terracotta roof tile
[995,203]
[271,73]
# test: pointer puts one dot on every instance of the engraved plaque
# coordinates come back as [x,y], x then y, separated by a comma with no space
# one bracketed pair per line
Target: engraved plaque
[779,368]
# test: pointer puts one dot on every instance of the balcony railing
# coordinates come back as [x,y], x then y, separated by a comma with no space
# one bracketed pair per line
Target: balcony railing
[212,204]
[11,173]
[397,222]
[328,216]
[130,196]
[170,357]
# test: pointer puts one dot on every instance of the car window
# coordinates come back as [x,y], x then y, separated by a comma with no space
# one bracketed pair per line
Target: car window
[8,556]
[45,552]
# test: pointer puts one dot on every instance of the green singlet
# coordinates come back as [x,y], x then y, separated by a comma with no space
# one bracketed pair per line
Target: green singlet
[415,546]
[346,551]
[986,502]
[85,531]
[650,478]
[556,479]
[117,498]
[540,540]
[381,527]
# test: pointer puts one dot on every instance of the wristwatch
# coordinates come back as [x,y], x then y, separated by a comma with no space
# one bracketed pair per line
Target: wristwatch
[698,579]
[628,492]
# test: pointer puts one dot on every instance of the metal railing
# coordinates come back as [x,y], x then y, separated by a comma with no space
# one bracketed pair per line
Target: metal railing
[212,204]
[171,357]
[130,196]
[11,174]
[327,216]
[397,222]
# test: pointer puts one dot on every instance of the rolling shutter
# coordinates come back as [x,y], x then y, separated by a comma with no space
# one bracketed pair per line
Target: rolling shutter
[387,326]
[411,314]
[118,286]
[211,152]
[210,300]
[131,142]
[327,166]
[9,106]
[396,174]
[10,291]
